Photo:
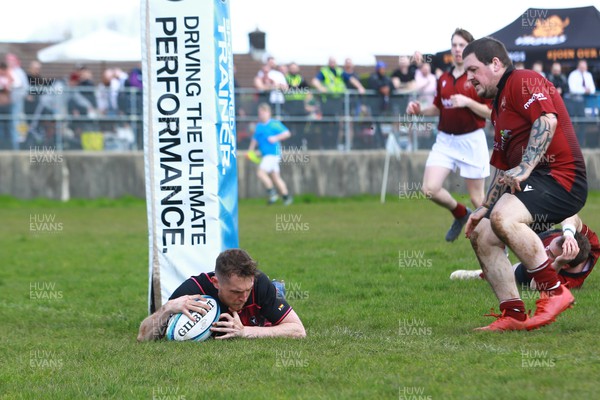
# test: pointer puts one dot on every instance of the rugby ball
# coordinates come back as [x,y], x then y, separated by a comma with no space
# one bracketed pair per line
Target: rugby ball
[181,328]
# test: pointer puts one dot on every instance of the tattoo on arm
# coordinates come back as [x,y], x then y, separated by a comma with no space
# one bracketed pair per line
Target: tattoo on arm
[495,190]
[542,132]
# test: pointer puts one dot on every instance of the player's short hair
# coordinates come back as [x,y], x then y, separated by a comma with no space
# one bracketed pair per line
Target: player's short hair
[463,33]
[235,262]
[486,48]
[584,249]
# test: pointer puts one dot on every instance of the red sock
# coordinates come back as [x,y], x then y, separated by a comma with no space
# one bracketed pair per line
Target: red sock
[545,276]
[514,308]
[460,211]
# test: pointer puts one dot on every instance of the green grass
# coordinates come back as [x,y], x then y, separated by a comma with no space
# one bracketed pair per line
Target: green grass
[377,329]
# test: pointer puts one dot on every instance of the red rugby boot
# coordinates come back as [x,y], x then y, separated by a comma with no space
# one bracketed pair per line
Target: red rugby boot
[504,323]
[549,306]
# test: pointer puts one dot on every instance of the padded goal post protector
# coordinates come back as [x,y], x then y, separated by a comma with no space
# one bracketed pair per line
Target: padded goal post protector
[189,139]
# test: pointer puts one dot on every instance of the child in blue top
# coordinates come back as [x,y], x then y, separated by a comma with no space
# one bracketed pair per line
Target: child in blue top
[269,132]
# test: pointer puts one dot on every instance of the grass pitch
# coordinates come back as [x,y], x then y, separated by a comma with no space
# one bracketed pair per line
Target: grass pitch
[369,281]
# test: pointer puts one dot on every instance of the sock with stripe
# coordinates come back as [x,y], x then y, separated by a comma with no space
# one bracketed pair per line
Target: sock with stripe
[515,308]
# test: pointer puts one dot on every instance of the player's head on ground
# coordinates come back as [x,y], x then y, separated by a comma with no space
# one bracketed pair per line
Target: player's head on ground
[234,277]
[485,61]
[554,249]
[459,40]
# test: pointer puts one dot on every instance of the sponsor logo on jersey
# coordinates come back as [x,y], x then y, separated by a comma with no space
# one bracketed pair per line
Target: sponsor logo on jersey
[534,97]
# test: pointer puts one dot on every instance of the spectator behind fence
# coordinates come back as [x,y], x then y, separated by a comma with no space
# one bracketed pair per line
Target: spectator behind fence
[425,85]
[356,102]
[36,87]
[403,79]
[380,103]
[40,105]
[79,108]
[271,83]
[129,130]
[130,97]
[295,100]
[581,83]
[581,80]
[538,67]
[85,86]
[107,91]
[416,62]
[331,82]
[20,87]
[6,82]
[558,79]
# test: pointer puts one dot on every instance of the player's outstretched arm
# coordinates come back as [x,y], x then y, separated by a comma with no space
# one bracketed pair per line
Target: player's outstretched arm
[154,326]
[231,327]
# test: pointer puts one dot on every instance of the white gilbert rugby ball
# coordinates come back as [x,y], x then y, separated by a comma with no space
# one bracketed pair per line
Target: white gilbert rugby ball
[181,328]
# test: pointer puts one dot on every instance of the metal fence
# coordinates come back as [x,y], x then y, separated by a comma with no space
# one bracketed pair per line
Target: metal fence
[71,118]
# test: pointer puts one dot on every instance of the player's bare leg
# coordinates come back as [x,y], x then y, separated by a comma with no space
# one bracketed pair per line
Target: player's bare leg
[509,220]
[433,181]
[279,183]
[475,188]
[496,267]
[281,187]
[499,273]
[264,177]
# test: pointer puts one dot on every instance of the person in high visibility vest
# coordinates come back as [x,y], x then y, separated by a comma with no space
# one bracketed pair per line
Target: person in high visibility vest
[330,81]
[295,97]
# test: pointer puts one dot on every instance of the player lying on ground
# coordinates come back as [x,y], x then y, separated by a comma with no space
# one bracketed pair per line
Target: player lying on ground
[255,308]
[573,265]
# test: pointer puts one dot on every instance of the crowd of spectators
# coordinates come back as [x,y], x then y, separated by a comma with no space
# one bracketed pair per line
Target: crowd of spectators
[377,101]
[94,111]
[328,107]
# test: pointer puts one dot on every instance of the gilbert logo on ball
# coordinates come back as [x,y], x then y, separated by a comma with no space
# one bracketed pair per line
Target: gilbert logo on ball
[181,328]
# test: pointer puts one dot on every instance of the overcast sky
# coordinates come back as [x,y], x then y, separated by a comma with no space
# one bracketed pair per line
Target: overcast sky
[304,31]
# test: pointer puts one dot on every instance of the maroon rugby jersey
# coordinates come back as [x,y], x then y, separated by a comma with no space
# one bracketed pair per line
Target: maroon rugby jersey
[263,307]
[523,96]
[457,120]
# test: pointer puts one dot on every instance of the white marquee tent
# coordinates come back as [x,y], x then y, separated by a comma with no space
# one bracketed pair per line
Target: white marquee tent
[101,46]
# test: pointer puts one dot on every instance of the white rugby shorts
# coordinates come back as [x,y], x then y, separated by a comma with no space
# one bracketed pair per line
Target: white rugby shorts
[468,152]
[270,163]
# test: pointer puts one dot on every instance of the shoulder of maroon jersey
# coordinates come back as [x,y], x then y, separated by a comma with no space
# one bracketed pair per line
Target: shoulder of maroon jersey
[261,282]
[205,283]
